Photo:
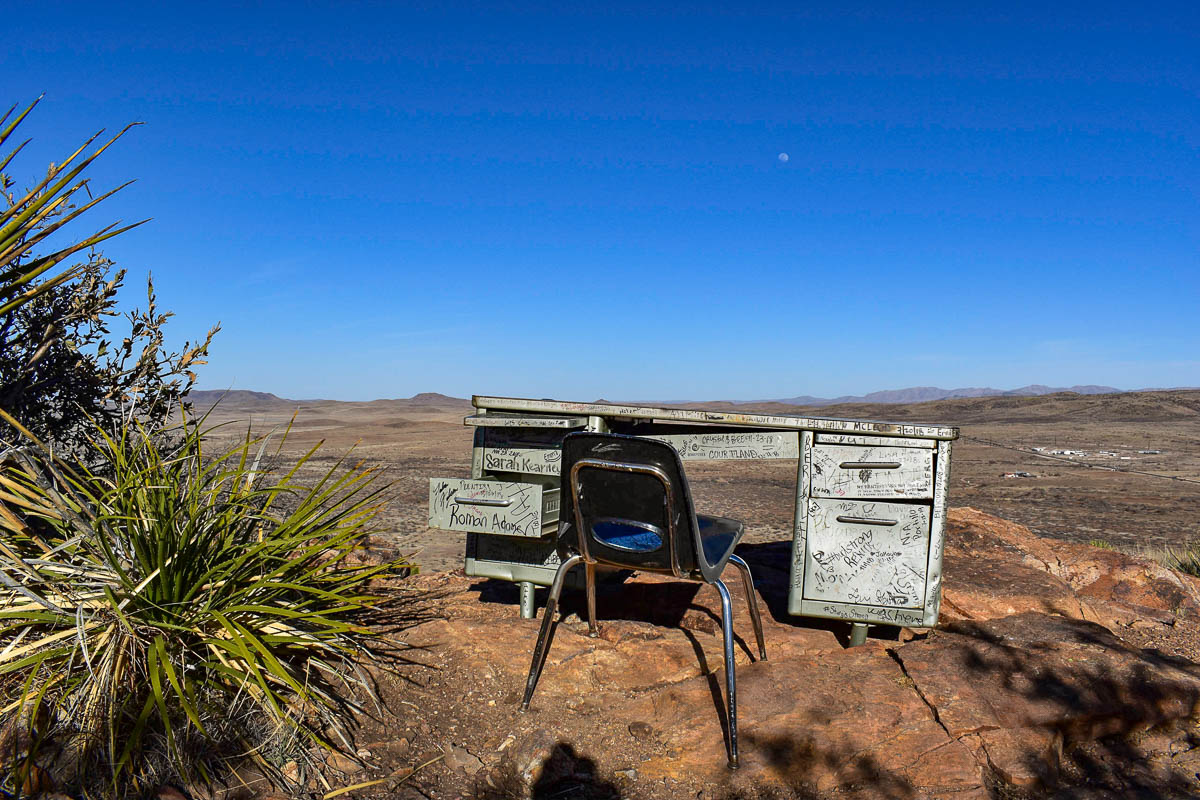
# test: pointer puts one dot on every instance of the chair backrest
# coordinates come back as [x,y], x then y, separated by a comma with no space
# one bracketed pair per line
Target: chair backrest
[625,502]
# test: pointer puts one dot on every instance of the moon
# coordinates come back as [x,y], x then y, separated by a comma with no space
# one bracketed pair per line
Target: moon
[783,157]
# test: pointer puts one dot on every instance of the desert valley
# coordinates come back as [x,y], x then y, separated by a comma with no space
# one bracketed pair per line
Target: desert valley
[1138,504]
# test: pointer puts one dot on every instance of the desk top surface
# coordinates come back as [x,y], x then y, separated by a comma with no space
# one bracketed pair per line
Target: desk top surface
[715,417]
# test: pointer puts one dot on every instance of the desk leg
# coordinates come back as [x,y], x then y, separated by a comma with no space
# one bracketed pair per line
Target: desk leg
[858,633]
[527,609]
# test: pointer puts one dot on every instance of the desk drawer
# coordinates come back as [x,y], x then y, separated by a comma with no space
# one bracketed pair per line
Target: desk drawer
[528,451]
[868,553]
[853,471]
[495,507]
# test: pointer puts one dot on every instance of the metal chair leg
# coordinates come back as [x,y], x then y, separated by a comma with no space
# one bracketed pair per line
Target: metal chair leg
[593,631]
[752,601]
[539,650]
[730,677]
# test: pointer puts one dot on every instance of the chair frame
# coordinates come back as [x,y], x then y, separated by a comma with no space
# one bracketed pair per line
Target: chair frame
[585,557]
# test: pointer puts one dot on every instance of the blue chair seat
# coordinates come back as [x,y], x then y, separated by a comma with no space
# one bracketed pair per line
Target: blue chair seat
[628,535]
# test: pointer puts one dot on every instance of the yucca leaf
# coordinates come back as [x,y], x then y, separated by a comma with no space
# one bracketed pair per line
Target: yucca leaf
[41,231]
[50,188]
[132,741]
[12,126]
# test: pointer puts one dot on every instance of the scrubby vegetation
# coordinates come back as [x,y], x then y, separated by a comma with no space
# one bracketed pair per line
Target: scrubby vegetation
[1185,559]
[171,607]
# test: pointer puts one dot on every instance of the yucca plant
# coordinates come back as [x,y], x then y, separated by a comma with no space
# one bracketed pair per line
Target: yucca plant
[155,597]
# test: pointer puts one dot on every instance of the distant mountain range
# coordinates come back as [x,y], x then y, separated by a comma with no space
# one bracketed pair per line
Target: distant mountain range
[925,394]
[241,398]
[244,399]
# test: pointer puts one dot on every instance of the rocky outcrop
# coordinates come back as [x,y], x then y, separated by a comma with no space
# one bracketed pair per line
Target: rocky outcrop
[995,568]
[1035,682]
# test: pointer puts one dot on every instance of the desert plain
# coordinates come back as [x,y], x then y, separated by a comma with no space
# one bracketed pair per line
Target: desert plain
[1139,504]
[1066,663]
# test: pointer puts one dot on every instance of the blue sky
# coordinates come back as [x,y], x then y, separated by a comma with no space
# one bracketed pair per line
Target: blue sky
[379,199]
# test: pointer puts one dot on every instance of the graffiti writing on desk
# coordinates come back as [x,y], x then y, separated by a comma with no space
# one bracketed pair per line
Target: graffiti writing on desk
[874,441]
[866,552]
[858,471]
[824,513]
[733,446]
[441,495]
[914,527]
[861,596]
[896,616]
[902,588]
[844,568]
[510,509]
[848,560]
[511,459]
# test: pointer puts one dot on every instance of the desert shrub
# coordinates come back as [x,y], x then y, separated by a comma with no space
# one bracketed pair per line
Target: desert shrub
[59,364]
[170,607]
[1185,558]
[1103,544]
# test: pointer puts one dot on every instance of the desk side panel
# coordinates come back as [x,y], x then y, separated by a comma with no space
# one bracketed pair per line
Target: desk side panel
[477,454]
[800,524]
[937,535]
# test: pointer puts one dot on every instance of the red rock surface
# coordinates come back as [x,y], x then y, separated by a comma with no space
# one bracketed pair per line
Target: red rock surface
[994,568]
[1034,684]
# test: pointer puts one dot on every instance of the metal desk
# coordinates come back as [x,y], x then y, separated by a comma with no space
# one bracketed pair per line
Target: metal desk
[870,516]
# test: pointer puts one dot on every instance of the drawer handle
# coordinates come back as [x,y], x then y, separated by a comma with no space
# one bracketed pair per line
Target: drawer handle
[866,521]
[870,465]
[482,501]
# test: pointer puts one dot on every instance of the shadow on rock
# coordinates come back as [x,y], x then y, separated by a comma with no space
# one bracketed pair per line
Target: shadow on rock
[671,602]
[664,603]
[562,773]
[1051,704]
[811,767]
